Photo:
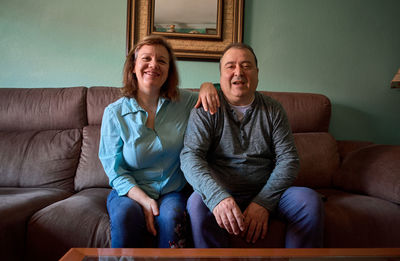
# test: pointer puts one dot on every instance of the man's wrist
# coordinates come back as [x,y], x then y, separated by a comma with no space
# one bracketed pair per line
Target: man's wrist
[263,204]
[216,199]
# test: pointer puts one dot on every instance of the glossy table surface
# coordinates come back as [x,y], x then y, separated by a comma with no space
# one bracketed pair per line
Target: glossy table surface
[235,254]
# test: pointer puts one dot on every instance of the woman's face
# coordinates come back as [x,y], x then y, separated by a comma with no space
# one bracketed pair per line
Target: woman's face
[151,67]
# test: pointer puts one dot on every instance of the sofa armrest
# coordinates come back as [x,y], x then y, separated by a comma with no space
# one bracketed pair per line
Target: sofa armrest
[372,170]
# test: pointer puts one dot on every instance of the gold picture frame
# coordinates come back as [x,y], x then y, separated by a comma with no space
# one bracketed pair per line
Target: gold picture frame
[139,23]
[198,33]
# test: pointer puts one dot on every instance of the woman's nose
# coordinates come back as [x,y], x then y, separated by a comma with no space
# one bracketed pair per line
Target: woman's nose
[153,63]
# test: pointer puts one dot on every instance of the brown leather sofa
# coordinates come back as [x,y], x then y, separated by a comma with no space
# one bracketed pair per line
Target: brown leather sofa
[53,189]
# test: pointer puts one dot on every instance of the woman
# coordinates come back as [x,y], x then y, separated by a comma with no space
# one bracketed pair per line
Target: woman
[141,138]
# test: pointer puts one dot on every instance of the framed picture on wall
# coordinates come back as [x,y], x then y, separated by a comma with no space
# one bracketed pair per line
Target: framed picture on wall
[196,30]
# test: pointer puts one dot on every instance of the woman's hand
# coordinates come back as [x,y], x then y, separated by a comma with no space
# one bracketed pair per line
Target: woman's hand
[208,97]
[149,206]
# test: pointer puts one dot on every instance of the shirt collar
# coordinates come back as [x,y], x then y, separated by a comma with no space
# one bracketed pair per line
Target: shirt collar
[251,105]
[130,105]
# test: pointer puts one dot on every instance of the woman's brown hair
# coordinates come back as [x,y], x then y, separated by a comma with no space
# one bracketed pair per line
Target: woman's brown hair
[169,89]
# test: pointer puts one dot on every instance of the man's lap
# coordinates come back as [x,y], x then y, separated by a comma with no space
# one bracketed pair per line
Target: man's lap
[291,205]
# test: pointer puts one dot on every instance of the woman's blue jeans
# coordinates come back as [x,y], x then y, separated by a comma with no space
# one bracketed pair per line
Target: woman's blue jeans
[128,225]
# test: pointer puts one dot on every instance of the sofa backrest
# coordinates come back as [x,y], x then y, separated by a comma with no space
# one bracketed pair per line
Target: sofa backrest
[23,109]
[90,172]
[319,159]
[40,136]
[51,134]
[307,112]
[309,116]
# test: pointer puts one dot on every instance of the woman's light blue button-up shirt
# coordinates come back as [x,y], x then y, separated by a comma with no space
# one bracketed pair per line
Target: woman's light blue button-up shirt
[134,155]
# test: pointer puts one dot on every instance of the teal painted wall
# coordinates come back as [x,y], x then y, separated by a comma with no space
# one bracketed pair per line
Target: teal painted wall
[348,50]
[58,43]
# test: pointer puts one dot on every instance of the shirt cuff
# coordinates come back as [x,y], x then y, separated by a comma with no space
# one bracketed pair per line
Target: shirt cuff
[212,201]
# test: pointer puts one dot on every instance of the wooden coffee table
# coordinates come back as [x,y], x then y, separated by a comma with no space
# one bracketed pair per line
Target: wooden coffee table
[235,254]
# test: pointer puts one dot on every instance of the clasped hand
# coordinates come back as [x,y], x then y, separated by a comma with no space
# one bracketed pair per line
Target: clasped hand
[251,225]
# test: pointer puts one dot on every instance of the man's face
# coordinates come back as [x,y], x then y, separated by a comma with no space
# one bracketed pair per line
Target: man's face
[239,76]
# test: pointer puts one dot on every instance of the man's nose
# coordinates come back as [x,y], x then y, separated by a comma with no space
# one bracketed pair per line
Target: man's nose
[238,71]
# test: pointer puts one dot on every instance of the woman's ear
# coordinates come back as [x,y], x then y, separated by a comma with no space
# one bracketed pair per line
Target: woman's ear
[133,71]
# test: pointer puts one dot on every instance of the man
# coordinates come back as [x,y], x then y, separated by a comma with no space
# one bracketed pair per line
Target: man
[241,163]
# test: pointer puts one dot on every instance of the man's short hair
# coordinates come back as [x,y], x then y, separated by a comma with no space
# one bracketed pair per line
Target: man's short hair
[238,46]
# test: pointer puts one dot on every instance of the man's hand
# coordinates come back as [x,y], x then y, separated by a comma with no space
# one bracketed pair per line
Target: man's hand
[256,222]
[228,216]
[208,97]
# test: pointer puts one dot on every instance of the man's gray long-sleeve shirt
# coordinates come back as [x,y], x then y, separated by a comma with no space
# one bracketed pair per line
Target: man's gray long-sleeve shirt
[255,158]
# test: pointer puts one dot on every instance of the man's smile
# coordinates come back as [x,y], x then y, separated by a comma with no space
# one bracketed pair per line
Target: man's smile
[239,81]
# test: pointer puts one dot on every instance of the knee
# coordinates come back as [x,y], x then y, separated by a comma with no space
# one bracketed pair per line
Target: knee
[307,198]
[172,207]
[199,213]
[129,213]
[172,214]
[302,204]
[194,203]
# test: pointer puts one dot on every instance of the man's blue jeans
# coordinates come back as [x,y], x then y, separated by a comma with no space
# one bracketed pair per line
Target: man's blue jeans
[299,207]
[128,225]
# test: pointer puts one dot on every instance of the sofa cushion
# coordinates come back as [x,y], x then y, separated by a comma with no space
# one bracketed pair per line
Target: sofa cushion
[353,220]
[97,100]
[78,221]
[90,172]
[319,159]
[42,108]
[17,205]
[39,158]
[307,112]
[373,170]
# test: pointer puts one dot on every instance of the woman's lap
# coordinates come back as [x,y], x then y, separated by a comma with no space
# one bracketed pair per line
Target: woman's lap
[128,225]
